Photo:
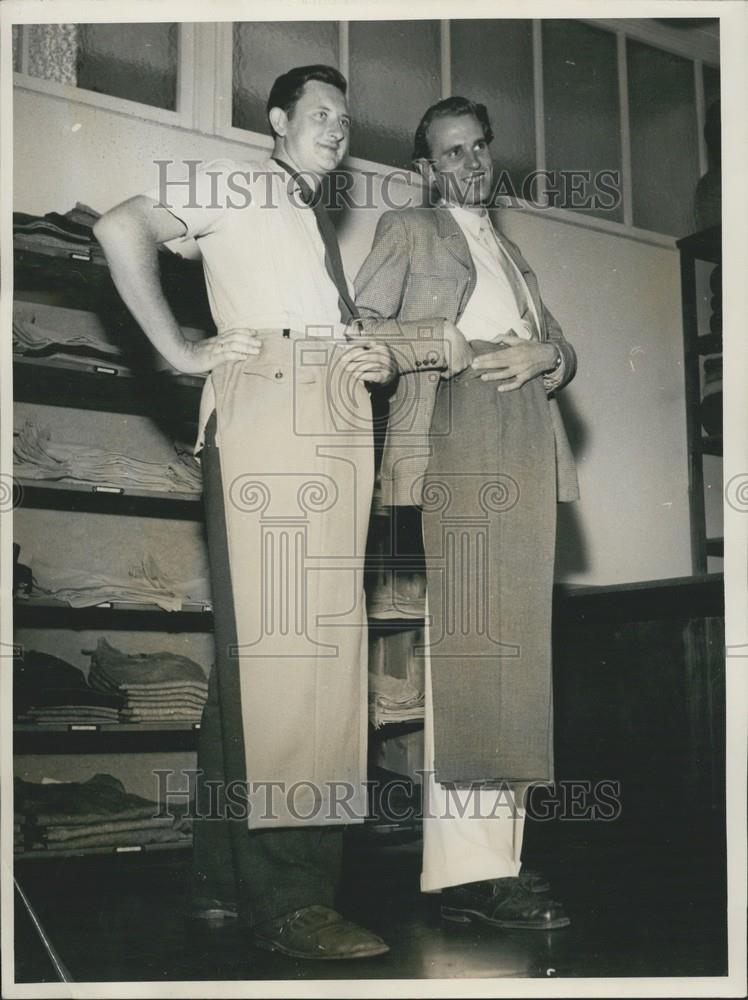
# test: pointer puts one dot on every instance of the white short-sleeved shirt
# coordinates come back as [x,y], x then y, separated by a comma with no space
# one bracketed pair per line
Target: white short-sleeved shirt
[263,255]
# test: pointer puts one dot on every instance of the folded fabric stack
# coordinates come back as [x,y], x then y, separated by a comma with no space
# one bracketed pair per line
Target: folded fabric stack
[98,813]
[49,691]
[155,687]
[69,235]
[32,339]
[396,678]
[143,584]
[396,594]
[37,456]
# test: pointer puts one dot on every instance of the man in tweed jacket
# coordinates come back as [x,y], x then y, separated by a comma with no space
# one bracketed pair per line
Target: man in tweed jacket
[476,440]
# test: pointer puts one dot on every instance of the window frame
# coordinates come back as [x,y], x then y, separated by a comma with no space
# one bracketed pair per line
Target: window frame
[181,116]
[204,99]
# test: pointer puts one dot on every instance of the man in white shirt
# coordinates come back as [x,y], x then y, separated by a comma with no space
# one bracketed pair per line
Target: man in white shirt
[287,455]
[475,441]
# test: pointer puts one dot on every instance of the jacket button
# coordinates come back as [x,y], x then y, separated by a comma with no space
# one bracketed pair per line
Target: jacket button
[279,374]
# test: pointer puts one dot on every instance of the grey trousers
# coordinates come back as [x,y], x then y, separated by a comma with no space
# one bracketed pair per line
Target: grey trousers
[489,529]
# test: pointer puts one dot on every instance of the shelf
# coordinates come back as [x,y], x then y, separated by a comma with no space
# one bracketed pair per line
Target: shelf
[107,737]
[395,624]
[97,499]
[711,444]
[704,245]
[651,600]
[715,547]
[120,617]
[82,852]
[87,284]
[55,382]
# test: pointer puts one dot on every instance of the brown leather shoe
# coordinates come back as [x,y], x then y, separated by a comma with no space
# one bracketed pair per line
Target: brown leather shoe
[317,932]
[503,902]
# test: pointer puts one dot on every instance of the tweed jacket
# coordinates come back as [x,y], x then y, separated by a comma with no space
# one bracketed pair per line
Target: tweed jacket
[418,274]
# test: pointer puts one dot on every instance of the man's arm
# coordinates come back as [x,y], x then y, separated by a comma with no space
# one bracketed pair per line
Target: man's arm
[425,345]
[130,234]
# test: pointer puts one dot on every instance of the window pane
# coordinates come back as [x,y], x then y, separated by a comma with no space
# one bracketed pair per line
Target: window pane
[263,50]
[582,118]
[134,61]
[492,64]
[395,69]
[664,150]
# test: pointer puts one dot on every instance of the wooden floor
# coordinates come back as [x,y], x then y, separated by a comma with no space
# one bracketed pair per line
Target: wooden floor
[647,901]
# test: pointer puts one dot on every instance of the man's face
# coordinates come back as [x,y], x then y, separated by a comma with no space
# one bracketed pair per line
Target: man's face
[461,166]
[316,131]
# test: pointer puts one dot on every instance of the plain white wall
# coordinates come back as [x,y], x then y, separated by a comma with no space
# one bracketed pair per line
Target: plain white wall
[617,299]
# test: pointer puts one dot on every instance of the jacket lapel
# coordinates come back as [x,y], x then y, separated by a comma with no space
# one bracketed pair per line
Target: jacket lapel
[454,238]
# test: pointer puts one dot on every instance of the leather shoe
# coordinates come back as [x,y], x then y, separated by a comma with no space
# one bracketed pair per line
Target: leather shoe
[503,902]
[317,932]
[213,910]
[535,881]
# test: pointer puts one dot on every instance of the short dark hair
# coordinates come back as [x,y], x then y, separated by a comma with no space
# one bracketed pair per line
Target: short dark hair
[449,106]
[288,88]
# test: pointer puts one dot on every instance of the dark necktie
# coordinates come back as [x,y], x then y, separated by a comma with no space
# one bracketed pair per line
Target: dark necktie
[333,262]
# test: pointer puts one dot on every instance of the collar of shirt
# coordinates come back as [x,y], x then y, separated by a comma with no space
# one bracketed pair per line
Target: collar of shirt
[467,219]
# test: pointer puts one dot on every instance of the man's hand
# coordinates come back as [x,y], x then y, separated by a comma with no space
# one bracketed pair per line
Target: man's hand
[370,361]
[517,363]
[235,344]
[457,350]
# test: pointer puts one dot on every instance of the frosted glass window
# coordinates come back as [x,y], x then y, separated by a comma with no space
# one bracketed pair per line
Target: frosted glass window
[664,149]
[582,118]
[263,51]
[395,70]
[711,85]
[492,64]
[135,61]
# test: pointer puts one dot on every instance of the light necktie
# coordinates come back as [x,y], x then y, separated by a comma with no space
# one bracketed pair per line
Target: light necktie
[333,262]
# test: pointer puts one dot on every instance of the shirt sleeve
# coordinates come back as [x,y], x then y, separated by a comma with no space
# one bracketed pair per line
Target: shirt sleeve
[200,193]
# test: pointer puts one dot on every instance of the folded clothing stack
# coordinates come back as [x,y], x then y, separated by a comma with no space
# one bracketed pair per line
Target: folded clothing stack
[145,583]
[70,235]
[396,678]
[392,594]
[37,456]
[155,687]
[48,690]
[64,816]
[35,340]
